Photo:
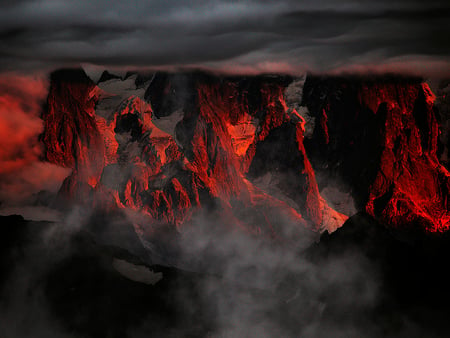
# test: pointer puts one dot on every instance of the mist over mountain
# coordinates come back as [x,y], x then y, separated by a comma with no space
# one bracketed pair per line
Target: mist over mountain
[215,168]
[193,203]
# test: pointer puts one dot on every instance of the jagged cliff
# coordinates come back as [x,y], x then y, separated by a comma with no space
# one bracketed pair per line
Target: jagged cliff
[175,146]
[380,136]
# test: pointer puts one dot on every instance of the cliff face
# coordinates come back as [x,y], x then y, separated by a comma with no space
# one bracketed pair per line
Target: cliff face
[71,136]
[177,146]
[381,138]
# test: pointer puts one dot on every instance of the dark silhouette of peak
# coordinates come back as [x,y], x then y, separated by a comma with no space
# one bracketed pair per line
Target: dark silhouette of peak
[106,76]
[70,75]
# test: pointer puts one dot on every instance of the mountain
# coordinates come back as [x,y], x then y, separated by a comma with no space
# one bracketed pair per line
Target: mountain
[380,137]
[209,205]
[250,153]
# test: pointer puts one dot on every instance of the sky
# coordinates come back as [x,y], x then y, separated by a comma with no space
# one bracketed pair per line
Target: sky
[253,36]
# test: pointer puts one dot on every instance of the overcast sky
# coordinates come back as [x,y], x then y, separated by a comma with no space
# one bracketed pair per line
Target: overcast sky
[238,36]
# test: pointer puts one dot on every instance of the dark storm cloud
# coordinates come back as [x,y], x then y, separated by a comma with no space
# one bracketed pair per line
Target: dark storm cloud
[235,35]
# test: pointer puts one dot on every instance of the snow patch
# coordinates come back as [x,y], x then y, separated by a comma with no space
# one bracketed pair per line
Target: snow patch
[137,273]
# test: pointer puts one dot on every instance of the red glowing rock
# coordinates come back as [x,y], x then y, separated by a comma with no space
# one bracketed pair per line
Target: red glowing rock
[120,156]
[382,142]
[231,147]
[71,136]
[411,185]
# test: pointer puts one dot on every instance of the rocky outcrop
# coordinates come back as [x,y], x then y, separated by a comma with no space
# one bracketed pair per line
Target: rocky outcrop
[380,137]
[182,144]
[197,143]
[71,136]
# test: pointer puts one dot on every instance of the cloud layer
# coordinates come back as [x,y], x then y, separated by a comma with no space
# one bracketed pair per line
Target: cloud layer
[235,36]
[20,103]
[22,173]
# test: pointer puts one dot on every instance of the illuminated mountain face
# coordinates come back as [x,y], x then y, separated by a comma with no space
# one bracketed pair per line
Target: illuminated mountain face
[382,138]
[247,150]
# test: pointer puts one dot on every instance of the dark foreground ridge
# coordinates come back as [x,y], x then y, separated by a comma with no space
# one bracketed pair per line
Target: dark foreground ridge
[78,286]
[412,270]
